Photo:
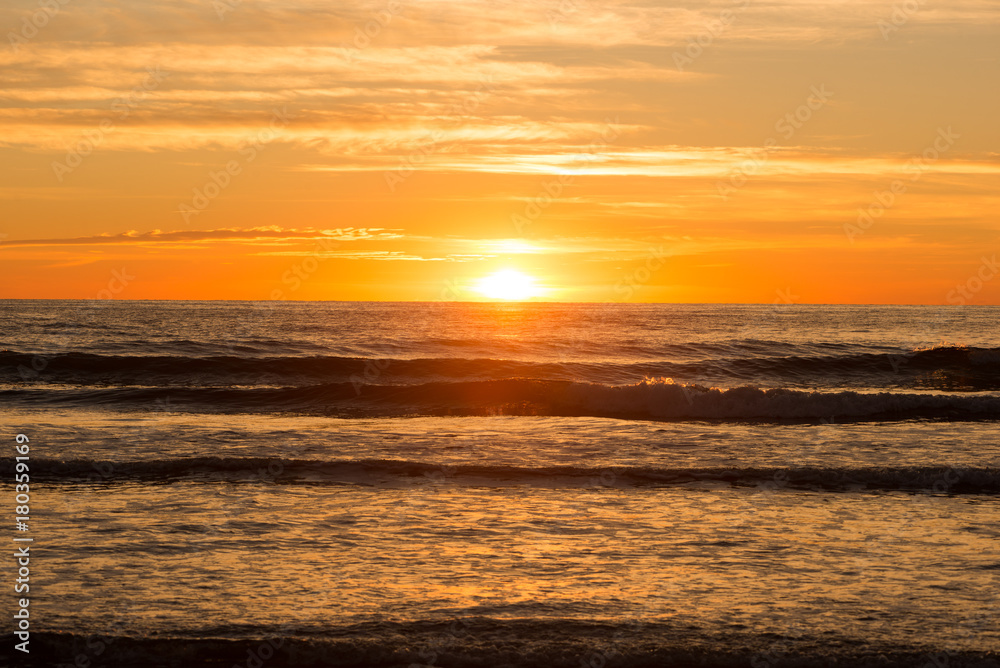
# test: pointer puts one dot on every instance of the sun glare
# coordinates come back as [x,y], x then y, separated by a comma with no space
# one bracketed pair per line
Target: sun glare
[508,284]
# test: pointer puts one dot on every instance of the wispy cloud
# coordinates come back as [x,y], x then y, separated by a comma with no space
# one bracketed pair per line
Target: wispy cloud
[270,234]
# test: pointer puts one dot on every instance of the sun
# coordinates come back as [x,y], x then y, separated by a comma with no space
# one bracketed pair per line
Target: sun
[508,284]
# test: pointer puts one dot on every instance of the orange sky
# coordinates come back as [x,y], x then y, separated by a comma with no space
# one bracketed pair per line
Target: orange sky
[403,150]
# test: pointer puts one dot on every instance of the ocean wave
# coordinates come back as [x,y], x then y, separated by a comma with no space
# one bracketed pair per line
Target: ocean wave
[375,472]
[84,368]
[655,399]
[946,368]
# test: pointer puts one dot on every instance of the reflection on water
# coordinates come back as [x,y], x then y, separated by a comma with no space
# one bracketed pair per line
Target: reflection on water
[759,560]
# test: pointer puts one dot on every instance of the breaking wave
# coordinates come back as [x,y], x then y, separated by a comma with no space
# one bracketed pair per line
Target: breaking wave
[375,472]
[657,399]
[946,367]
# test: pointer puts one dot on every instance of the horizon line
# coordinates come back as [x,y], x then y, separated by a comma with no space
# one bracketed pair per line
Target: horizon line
[484,301]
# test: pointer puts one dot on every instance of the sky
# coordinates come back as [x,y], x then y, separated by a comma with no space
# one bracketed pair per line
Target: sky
[748,151]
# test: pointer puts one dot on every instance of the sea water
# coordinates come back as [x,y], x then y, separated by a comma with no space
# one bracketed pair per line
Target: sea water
[457,484]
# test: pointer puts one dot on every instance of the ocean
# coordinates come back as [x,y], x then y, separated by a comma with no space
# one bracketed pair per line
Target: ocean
[505,484]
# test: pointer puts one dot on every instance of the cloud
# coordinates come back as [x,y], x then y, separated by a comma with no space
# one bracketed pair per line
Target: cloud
[681,161]
[158,237]
[364,255]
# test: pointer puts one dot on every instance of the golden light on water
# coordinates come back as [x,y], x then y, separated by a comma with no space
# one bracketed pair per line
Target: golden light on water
[508,284]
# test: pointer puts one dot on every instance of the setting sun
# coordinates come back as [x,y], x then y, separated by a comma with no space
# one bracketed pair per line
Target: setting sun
[508,284]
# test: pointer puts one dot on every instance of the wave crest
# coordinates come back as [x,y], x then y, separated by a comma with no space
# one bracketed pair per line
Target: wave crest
[375,472]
